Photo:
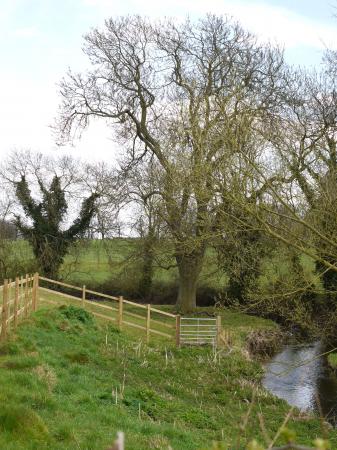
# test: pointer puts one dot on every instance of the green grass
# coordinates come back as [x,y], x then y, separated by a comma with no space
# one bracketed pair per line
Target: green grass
[96,262]
[60,371]
[332,359]
[113,266]
[159,322]
[277,271]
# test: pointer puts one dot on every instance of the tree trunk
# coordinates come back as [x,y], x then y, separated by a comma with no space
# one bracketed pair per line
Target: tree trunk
[145,284]
[189,268]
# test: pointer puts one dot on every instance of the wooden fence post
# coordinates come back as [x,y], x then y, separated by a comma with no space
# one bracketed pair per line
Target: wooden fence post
[34,292]
[16,301]
[31,283]
[178,330]
[83,296]
[148,322]
[218,330]
[9,294]
[25,301]
[37,299]
[120,313]
[4,314]
[21,292]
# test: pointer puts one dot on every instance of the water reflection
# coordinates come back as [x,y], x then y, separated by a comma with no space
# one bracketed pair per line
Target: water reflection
[300,376]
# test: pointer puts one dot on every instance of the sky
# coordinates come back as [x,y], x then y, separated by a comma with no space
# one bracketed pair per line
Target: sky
[41,39]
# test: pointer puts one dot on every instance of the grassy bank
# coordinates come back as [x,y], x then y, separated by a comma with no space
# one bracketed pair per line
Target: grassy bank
[70,382]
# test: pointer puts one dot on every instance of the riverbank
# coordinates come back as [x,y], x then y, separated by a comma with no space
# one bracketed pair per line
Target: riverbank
[69,382]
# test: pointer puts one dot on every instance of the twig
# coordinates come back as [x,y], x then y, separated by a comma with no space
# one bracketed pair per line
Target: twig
[245,420]
[280,430]
[263,429]
[292,447]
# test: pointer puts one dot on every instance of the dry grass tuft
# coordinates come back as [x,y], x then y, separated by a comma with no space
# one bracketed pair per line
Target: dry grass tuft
[46,374]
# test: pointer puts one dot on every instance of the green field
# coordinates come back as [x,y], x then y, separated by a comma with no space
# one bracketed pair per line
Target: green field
[114,265]
[71,382]
[97,262]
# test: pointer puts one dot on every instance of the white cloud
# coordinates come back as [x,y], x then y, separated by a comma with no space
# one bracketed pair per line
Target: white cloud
[26,32]
[269,22]
[280,24]
[98,3]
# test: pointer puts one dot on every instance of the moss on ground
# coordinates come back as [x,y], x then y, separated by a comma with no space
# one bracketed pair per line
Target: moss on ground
[68,381]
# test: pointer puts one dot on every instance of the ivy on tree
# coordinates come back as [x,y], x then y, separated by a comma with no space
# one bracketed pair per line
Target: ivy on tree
[49,242]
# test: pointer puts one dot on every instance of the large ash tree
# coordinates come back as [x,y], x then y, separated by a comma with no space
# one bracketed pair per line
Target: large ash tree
[184,94]
[49,241]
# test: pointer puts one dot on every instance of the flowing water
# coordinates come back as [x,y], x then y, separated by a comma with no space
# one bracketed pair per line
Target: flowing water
[299,375]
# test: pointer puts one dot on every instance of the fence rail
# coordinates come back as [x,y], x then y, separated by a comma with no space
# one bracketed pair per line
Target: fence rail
[21,296]
[124,313]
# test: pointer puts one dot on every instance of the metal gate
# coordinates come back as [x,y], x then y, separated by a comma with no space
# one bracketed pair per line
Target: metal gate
[199,331]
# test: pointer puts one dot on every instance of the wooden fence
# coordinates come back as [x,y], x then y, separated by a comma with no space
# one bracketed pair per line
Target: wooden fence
[124,313]
[19,297]
[25,293]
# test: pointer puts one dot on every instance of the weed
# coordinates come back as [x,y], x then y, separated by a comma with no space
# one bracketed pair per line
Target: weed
[73,313]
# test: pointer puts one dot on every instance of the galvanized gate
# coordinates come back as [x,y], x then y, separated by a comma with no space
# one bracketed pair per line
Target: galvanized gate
[199,330]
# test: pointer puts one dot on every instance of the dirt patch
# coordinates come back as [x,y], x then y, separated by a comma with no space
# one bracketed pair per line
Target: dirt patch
[265,343]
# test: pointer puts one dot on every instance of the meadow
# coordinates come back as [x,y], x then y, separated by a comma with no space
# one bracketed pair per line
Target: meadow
[114,266]
[69,381]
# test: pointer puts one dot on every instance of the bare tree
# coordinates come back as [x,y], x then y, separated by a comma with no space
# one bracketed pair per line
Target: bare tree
[183,94]
[297,178]
[143,183]
[109,183]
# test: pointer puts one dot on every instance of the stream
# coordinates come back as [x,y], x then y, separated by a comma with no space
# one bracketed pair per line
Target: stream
[299,375]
